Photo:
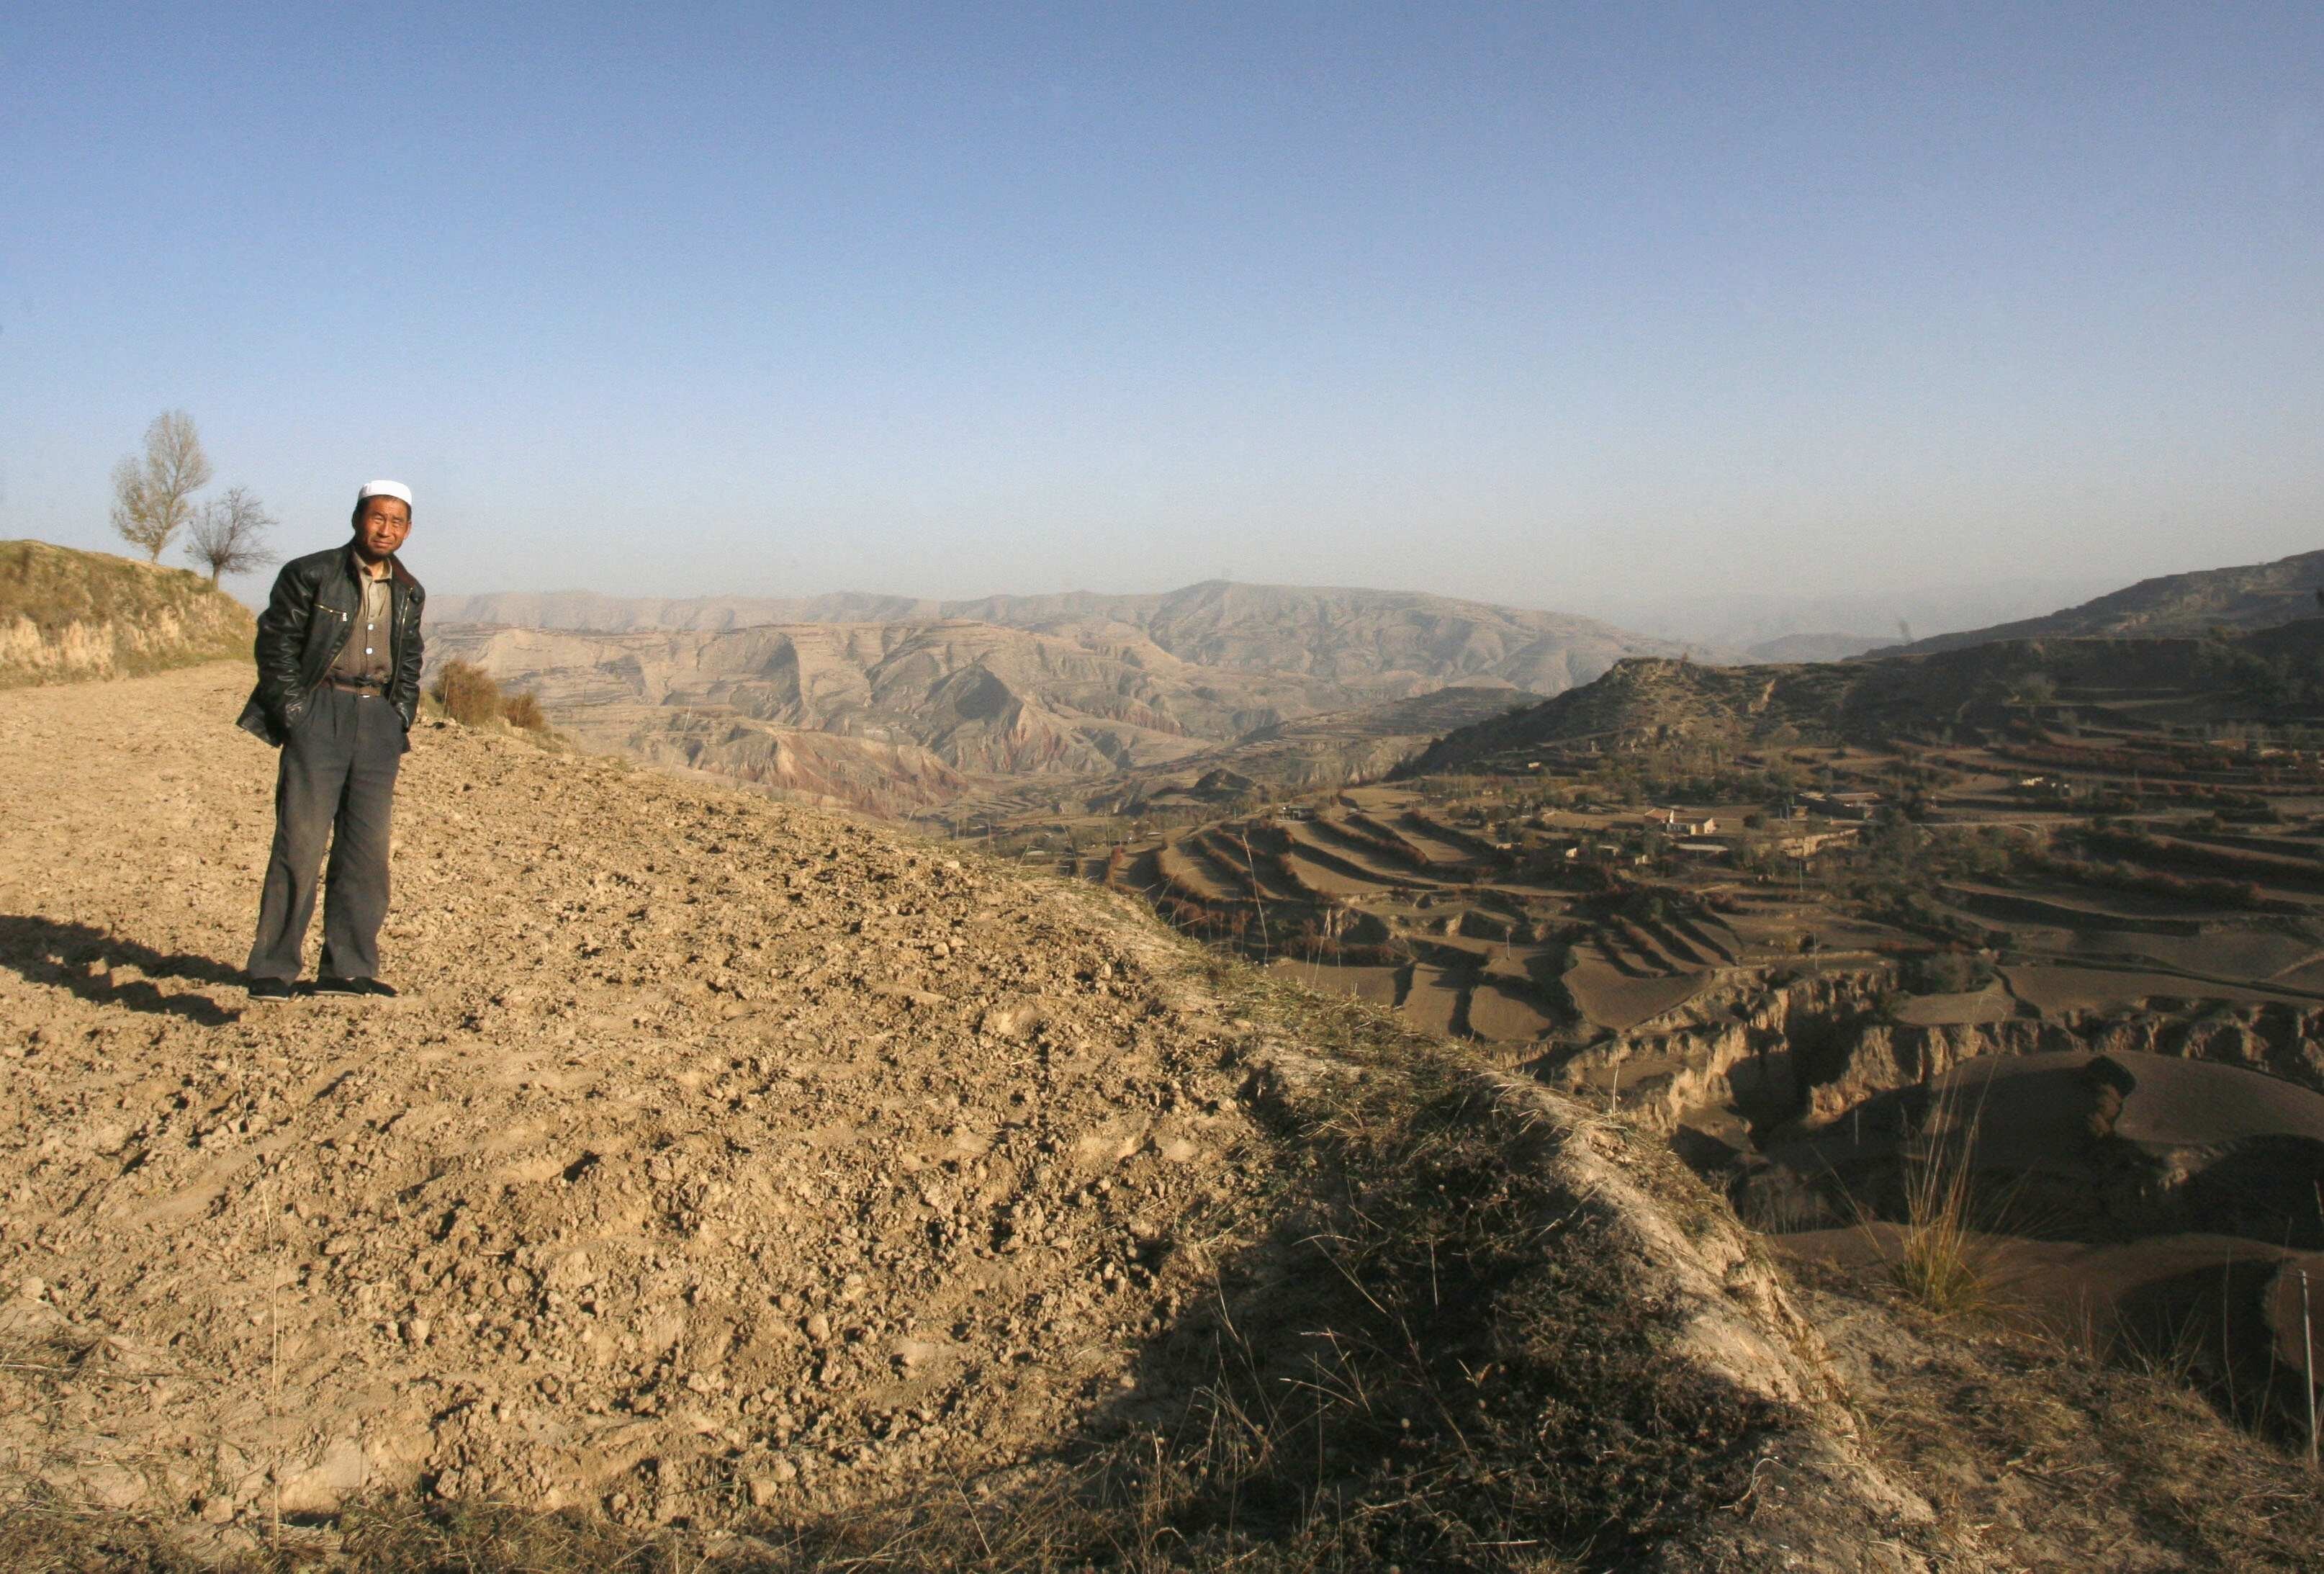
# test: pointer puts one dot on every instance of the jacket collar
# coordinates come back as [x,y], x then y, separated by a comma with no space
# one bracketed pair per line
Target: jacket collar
[396,572]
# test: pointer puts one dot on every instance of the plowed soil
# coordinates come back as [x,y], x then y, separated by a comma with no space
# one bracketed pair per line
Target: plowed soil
[718,1154]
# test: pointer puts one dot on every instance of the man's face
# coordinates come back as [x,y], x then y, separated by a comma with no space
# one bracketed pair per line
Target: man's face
[381,526]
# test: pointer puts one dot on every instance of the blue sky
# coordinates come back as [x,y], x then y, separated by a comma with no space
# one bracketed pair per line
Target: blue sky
[1547,304]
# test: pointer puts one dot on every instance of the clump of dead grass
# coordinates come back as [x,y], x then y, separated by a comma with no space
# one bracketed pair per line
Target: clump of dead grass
[524,710]
[2053,1449]
[1938,1267]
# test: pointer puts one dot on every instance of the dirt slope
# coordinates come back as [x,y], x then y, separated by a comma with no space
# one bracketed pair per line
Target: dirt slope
[743,1142]
[728,1160]
[67,615]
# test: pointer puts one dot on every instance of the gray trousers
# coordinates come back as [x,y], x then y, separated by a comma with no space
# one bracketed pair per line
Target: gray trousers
[337,783]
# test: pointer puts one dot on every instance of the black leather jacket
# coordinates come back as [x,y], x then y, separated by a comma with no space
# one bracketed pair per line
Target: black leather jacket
[308,619]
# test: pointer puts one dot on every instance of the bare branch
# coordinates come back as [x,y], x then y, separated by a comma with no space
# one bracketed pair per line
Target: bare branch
[229,535]
[153,496]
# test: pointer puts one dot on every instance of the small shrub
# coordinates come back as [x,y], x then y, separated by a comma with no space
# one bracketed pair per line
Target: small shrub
[1947,973]
[467,693]
[524,711]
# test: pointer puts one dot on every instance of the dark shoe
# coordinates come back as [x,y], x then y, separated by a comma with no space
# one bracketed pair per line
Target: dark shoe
[270,991]
[371,988]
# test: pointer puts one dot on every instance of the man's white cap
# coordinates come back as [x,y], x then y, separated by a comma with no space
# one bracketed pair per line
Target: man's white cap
[395,489]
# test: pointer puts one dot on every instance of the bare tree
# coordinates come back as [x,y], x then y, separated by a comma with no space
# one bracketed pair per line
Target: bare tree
[153,496]
[229,534]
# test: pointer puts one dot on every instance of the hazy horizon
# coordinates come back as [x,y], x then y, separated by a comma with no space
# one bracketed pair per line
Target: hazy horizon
[1826,306]
[1728,624]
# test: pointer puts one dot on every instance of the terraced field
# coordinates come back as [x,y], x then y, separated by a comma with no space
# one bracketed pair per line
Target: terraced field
[1378,896]
[2100,900]
[2130,857]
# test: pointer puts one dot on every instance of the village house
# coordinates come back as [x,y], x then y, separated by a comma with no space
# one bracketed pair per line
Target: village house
[1675,822]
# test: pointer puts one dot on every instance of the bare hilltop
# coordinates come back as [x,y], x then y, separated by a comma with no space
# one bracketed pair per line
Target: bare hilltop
[2244,597]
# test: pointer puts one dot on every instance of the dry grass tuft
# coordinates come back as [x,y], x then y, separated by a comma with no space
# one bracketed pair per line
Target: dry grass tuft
[467,693]
[1939,1263]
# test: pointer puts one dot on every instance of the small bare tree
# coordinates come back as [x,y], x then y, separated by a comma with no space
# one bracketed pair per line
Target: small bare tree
[153,496]
[228,536]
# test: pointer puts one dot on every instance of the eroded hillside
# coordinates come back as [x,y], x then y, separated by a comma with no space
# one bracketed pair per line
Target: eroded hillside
[2268,676]
[67,615]
[907,708]
[903,719]
[728,1166]
[981,698]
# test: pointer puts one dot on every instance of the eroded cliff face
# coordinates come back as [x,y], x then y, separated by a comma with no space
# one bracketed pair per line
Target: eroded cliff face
[1811,1049]
[2279,1040]
[1762,1042]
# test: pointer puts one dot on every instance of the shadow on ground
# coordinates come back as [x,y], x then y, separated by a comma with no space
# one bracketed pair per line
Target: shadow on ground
[86,960]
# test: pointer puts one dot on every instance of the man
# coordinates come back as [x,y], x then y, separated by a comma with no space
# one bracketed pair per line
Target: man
[338,687]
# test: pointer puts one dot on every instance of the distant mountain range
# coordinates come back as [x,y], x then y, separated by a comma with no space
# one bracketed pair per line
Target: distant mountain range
[901,706]
[904,705]
[2256,596]
[981,698]
[1377,644]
